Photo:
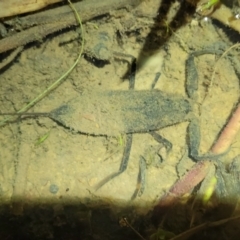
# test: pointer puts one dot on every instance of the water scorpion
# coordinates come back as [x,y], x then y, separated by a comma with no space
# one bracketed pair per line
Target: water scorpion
[111,113]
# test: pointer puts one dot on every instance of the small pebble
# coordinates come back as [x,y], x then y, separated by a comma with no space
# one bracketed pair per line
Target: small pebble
[53,188]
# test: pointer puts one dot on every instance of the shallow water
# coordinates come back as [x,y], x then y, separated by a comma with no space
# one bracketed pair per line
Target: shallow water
[68,165]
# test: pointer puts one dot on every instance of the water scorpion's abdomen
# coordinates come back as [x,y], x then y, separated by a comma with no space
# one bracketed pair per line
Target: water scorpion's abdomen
[114,112]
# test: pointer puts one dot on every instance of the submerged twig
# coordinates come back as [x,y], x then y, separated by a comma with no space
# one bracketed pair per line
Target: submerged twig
[228,134]
[50,21]
[11,57]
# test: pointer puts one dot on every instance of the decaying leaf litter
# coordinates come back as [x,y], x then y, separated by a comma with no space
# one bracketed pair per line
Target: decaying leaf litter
[78,162]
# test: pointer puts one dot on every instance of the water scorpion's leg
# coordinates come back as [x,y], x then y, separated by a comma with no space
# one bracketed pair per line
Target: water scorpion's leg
[141,178]
[191,89]
[124,162]
[141,181]
[162,140]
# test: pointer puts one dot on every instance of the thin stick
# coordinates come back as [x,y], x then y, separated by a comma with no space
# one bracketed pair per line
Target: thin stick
[216,65]
[129,225]
[59,80]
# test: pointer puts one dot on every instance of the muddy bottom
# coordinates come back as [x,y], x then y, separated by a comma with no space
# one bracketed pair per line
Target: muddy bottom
[49,170]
